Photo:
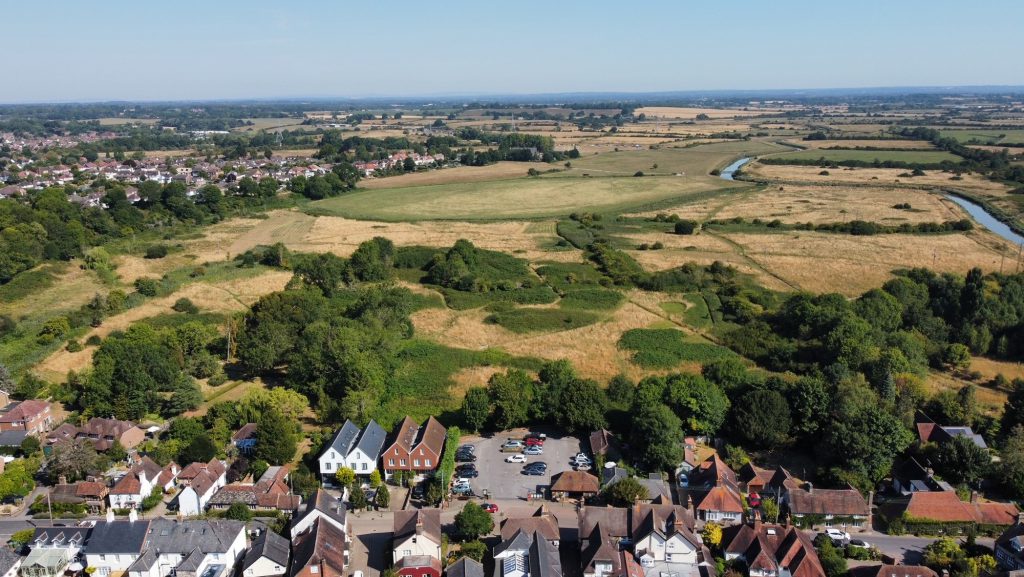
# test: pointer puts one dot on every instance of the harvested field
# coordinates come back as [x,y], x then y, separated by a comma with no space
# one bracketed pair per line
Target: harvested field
[908,156]
[497,171]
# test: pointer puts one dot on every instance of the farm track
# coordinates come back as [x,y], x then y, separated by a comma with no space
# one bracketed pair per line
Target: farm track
[742,252]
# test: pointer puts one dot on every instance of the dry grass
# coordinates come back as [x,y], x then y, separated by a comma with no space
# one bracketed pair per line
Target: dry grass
[990,368]
[71,289]
[674,112]
[881,143]
[990,400]
[873,176]
[497,171]
[121,121]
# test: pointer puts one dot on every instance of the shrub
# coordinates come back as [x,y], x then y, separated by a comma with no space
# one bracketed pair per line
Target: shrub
[156,251]
[823,173]
[638,173]
[93,340]
[238,512]
[217,379]
[74,346]
[147,286]
[686,227]
[184,305]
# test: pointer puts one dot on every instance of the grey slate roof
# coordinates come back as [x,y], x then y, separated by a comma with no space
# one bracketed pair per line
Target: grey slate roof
[8,558]
[372,440]
[12,438]
[59,535]
[181,537]
[144,563]
[192,561]
[465,567]
[270,545]
[117,537]
[345,438]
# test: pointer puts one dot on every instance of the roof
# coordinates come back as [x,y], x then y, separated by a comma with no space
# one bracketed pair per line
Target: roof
[12,438]
[8,559]
[194,470]
[405,434]
[326,504]
[575,482]
[843,502]
[181,537]
[945,506]
[712,471]
[657,489]
[372,440]
[59,535]
[601,441]
[111,537]
[24,410]
[465,567]
[129,484]
[773,547]
[599,546]
[663,519]
[541,522]
[270,545]
[432,435]
[323,545]
[344,439]
[428,521]
[720,498]
[542,556]
[101,427]
[416,561]
[892,571]
[247,431]
[613,520]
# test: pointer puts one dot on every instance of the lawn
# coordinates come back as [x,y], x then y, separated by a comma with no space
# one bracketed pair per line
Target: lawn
[909,156]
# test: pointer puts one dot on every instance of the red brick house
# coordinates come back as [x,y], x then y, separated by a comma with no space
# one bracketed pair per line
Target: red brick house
[32,416]
[415,448]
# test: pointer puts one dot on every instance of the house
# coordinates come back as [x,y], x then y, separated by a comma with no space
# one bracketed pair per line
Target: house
[113,546]
[946,507]
[322,505]
[1009,547]
[771,550]
[928,431]
[191,548]
[714,493]
[52,550]
[419,566]
[320,551]
[270,493]
[830,505]
[664,535]
[92,494]
[657,489]
[574,485]
[12,439]
[267,556]
[754,479]
[10,562]
[542,522]
[193,471]
[352,448]
[196,495]
[599,554]
[911,476]
[415,448]
[465,567]
[526,555]
[620,525]
[892,571]
[101,432]
[244,439]
[32,416]
[140,481]
[604,443]
[416,532]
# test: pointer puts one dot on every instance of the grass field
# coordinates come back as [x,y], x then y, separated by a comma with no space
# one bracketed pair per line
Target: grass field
[880,143]
[996,136]
[909,156]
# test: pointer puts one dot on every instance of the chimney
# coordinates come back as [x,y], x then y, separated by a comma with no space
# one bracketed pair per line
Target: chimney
[1020,517]
[974,496]
[62,480]
[810,487]
[419,524]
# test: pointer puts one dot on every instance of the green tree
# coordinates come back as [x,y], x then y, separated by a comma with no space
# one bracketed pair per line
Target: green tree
[701,405]
[763,418]
[199,450]
[961,461]
[373,260]
[476,408]
[324,271]
[1010,470]
[73,460]
[1013,411]
[275,438]
[345,477]
[626,493]
[473,549]
[957,356]
[238,511]
[375,480]
[656,436]
[382,500]
[832,560]
[473,521]
[117,452]
[30,446]
[711,534]
[686,227]
[357,498]
[22,537]
[581,405]
[512,395]
[770,510]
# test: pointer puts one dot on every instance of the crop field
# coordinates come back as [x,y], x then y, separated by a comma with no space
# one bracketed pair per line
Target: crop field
[270,124]
[993,136]
[689,161]
[908,156]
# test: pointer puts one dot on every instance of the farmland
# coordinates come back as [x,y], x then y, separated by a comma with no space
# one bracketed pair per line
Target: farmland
[839,155]
[993,136]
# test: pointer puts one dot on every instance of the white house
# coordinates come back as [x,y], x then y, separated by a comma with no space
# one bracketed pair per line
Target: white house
[363,458]
[322,505]
[140,481]
[114,545]
[352,448]
[416,532]
[267,556]
[193,499]
[336,455]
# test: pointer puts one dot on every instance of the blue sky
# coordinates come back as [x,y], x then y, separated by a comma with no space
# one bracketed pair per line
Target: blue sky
[143,50]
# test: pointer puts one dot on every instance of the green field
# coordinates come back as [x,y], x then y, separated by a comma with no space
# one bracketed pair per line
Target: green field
[986,136]
[908,156]
[603,183]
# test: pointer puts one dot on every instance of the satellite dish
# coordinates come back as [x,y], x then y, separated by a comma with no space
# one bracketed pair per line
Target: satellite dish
[610,465]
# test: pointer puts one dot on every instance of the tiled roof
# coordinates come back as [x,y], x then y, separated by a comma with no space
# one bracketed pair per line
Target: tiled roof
[24,410]
[613,520]
[114,537]
[322,545]
[432,435]
[372,440]
[892,571]
[270,545]
[575,482]
[345,438]
[247,431]
[541,522]
[465,567]
[843,502]
[429,520]
[405,434]
[720,498]
[773,547]
[947,507]
[129,484]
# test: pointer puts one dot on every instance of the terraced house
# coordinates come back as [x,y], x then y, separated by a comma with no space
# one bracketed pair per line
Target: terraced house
[352,448]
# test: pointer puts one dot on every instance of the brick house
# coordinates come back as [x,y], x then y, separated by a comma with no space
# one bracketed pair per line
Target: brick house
[415,448]
[32,416]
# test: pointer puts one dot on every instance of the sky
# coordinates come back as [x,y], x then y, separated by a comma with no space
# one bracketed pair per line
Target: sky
[70,50]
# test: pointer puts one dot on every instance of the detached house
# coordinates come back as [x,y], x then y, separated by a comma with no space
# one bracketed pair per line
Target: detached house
[244,439]
[415,448]
[32,416]
[101,433]
[1010,547]
[845,507]
[417,533]
[321,505]
[772,550]
[201,482]
[713,491]
[140,481]
[930,432]
[352,448]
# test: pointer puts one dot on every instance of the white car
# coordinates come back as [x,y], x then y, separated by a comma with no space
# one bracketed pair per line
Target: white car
[860,544]
[582,459]
[519,458]
[837,535]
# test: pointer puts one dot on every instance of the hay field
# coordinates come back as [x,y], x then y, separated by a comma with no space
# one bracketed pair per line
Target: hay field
[675,112]
[873,176]
[910,156]
[689,161]
[496,171]
[985,136]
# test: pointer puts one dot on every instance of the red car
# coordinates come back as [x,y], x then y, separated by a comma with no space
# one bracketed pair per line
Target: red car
[489,507]
[534,442]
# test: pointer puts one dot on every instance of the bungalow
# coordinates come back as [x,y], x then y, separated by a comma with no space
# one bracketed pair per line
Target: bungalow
[526,555]
[771,550]
[1010,546]
[32,416]
[322,550]
[946,507]
[574,485]
[415,448]
[268,556]
[92,494]
[416,533]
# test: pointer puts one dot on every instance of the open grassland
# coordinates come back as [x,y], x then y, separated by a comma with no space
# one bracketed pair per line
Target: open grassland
[678,112]
[496,171]
[908,156]
[880,143]
[122,121]
[989,136]
[270,124]
[690,161]
[873,176]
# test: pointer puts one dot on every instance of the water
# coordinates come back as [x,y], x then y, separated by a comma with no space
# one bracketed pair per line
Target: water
[979,214]
[730,170]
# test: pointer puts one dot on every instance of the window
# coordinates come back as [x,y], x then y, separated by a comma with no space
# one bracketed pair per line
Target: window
[427,462]
[327,466]
[103,557]
[403,462]
[415,462]
[391,462]
[314,569]
[406,552]
[362,466]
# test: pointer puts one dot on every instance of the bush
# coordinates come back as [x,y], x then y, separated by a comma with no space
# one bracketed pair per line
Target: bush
[638,173]
[156,251]
[93,340]
[147,286]
[665,348]
[184,305]
[217,379]
[74,346]
[686,227]
[238,512]
[823,173]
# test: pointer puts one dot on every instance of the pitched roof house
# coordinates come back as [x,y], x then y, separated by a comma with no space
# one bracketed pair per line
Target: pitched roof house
[320,551]
[267,556]
[322,505]
[465,567]
[542,521]
[244,439]
[892,571]
[945,506]
[604,442]
[805,500]
[928,431]
[351,447]
[32,416]
[415,448]
[772,550]
[713,491]
[140,481]
[526,555]
[1010,546]
[270,493]
[101,432]
[416,532]
[201,482]
[574,485]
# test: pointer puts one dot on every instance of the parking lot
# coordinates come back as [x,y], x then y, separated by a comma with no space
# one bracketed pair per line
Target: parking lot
[505,480]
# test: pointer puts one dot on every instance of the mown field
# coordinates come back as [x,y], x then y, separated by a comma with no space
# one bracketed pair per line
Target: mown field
[908,156]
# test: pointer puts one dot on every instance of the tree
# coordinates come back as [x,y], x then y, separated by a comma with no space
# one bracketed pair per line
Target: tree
[323,271]
[957,356]
[357,498]
[275,438]
[258,467]
[382,500]
[711,534]
[626,493]
[1013,412]
[656,437]
[701,405]
[512,394]
[831,560]
[473,549]
[117,452]
[6,380]
[763,418]
[962,461]
[22,538]
[238,511]
[345,477]
[686,227]
[72,460]
[1010,471]
[30,446]
[770,509]
[200,450]
[473,521]
[476,408]
[580,405]
[375,480]
[373,260]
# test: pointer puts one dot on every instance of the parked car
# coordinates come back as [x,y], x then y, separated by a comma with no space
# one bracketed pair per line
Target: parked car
[489,507]
[465,457]
[513,446]
[860,544]
[418,491]
[579,458]
[534,442]
[465,467]
[581,466]
[837,536]
[538,468]
[462,489]
[467,448]
[533,450]
[520,458]
[541,437]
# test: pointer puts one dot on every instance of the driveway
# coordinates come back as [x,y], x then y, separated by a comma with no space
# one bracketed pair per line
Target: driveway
[504,480]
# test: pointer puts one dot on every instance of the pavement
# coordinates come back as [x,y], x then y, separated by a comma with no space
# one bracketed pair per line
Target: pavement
[505,480]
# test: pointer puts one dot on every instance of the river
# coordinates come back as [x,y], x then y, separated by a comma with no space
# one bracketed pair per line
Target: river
[728,172]
[982,217]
